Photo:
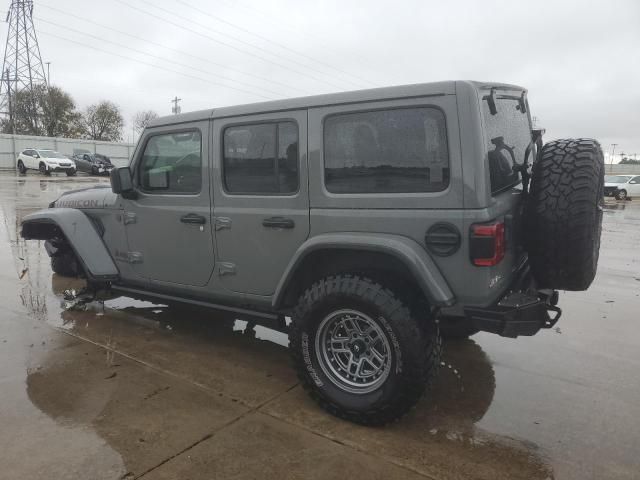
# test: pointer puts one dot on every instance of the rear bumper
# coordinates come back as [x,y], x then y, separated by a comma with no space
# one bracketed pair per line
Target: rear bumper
[523,310]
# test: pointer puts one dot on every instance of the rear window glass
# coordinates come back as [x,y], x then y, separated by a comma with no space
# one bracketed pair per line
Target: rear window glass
[508,133]
[386,151]
[261,158]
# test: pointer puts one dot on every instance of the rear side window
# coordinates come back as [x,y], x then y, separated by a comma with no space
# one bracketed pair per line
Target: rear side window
[261,158]
[508,133]
[386,151]
[172,163]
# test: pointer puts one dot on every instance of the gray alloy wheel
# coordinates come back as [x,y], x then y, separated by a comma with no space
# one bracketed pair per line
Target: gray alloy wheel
[353,351]
[43,169]
[621,195]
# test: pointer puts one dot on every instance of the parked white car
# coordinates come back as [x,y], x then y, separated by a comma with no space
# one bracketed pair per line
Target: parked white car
[45,161]
[622,187]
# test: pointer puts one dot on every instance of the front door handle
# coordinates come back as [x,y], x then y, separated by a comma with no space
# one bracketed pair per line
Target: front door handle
[193,219]
[278,222]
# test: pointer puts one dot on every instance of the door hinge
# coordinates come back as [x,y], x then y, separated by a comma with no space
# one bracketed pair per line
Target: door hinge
[129,217]
[222,223]
[134,257]
[226,268]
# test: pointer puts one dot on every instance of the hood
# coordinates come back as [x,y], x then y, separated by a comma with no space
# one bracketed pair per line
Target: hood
[99,196]
[610,184]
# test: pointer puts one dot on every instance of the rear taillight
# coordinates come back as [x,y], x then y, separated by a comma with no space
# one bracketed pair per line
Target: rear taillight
[487,244]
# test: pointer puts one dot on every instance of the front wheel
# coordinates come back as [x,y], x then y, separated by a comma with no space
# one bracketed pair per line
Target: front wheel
[621,195]
[71,173]
[66,265]
[360,352]
[43,169]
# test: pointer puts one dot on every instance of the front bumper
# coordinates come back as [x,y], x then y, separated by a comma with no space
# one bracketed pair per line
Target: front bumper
[523,310]
[60,168]
[610,191]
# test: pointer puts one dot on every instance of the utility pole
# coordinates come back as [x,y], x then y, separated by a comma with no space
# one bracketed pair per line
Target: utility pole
[176,108]
[613,152]
[22,64]
[48,73]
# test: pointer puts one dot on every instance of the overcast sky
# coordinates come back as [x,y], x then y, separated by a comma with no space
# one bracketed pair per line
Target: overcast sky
[580,60]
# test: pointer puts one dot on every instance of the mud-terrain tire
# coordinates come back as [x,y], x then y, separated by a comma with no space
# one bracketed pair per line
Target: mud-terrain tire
[621,195]
[564,214]
[456,328]
[403,339]
[21,168]
[66,265]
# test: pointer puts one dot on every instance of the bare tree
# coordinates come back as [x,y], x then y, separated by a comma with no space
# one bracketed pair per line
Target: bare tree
[142,119]
[103,121]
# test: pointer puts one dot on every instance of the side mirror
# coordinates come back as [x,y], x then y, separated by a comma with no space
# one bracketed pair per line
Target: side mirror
[36,155]
[121,182]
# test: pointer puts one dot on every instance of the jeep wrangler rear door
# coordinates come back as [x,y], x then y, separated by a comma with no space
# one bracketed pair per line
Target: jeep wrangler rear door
[261,202]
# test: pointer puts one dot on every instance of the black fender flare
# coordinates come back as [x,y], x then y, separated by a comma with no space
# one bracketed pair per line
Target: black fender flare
[80,232]
[409,252]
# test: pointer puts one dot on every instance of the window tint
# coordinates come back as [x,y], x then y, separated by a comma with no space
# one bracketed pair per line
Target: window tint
[261,158]
[387,151]
[636,179]
[508,134]
[172,163]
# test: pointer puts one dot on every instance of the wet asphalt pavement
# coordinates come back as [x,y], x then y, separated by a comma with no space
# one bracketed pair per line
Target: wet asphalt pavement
[124,389]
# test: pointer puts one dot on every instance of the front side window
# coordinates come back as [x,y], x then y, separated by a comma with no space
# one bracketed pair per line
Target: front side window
[387,151]
[261,158]
[172,163]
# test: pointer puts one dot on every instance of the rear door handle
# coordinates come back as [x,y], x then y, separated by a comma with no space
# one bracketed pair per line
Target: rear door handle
[278,222]
[193,219]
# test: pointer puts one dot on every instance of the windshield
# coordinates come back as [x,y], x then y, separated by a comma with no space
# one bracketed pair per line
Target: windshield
[616,179]
[50,154]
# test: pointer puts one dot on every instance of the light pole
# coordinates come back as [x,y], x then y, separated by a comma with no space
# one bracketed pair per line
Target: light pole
[48,74]
[613,152]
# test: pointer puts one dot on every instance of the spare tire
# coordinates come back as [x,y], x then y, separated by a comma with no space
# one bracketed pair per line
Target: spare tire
[564,214]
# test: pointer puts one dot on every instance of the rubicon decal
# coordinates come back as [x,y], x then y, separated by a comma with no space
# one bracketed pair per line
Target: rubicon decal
[77,204]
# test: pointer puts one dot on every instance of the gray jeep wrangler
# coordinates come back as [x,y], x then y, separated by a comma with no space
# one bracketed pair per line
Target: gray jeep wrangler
[377,220]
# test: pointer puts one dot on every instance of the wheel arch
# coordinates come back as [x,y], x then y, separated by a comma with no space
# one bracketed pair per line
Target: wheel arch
[399,259]
[80,233]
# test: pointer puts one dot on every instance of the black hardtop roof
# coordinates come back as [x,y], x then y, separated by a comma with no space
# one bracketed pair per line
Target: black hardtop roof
[374,94]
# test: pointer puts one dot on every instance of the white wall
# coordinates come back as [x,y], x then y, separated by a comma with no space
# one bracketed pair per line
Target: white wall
[12,145]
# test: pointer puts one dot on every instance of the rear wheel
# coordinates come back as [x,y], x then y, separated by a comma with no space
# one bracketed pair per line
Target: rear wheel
[564,214]
[360,352]
[621,195]
[21,168]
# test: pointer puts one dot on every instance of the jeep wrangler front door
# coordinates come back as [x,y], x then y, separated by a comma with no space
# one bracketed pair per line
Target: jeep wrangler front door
[168,222]
[261,202]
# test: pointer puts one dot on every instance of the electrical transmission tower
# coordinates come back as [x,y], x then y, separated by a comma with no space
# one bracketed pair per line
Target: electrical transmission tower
[22,68]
